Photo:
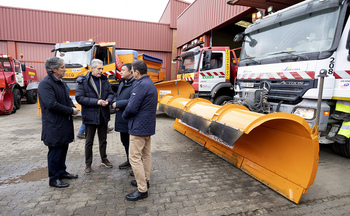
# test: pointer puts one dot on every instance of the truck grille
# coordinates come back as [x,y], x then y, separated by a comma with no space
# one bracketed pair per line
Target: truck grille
[288,91]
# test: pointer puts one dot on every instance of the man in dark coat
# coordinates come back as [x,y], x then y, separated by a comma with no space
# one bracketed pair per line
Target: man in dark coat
[141,112]
[94,93]
[119,103]
[57,122]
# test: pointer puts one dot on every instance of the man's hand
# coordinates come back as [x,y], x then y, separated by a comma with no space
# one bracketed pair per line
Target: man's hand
[75,111]
[99,102]
[105,103]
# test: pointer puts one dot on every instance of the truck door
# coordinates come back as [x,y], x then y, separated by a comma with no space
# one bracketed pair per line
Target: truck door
[106,54]
[213,71]
[19,74]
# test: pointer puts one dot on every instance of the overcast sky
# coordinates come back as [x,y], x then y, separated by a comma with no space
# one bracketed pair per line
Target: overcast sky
[145,10]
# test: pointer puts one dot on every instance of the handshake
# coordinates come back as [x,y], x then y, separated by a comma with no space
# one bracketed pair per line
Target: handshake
[102,102]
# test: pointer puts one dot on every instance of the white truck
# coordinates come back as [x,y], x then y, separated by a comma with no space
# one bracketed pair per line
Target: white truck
[282,55]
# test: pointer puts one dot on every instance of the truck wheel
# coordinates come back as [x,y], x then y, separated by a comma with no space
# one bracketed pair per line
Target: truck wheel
[342,149]
[221,99]
[31,96]
[17,98]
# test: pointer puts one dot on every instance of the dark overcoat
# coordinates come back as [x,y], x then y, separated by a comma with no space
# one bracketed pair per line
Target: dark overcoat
[142,107]
[121,99]
[56,109]
[87,97]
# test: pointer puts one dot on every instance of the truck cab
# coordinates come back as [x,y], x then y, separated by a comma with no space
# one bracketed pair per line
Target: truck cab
[282,56]
[22,80]
[210,70]
[78,55]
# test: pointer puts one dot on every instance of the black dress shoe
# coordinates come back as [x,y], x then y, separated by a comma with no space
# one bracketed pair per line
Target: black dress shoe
[58,183]
[134,183]
[124,165]
[69,176]
[136,195]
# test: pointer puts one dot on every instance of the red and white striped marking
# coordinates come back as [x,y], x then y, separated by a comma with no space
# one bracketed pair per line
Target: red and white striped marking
[342,74]
[109,73]
[278,75]
[189,78]
[212,73]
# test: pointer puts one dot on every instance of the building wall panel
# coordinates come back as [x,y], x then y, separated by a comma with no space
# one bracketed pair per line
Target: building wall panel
[165,18]
[35,55]
[177,7]
[27,25]
[3,47]
[203,16]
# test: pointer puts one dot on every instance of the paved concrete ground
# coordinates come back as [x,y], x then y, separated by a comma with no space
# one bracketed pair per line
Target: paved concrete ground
[186,179]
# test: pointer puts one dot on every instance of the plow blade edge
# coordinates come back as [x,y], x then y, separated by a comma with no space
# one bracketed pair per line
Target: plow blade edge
[278,149]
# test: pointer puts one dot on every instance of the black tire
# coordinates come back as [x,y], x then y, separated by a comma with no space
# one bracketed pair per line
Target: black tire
[17,98]
[31,96]
[13,110]
[221,99]
[342,149]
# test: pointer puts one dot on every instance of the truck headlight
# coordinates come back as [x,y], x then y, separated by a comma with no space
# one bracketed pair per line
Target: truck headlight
[305,113]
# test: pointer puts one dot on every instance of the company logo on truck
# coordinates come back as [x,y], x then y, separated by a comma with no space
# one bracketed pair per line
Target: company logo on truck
[291,68]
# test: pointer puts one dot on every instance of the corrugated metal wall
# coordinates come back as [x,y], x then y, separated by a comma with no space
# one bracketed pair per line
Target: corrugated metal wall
[204,15]
[176,9]
[172,11]
[165,18]
[39,26]
[3,47]
[35,55]
[35,32]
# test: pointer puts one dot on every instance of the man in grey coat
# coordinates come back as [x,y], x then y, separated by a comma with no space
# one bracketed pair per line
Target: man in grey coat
[94,93]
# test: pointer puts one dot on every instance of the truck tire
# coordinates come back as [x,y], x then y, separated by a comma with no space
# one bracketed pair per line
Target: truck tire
[342,149]
[221,99]
[31,96]
[17,98]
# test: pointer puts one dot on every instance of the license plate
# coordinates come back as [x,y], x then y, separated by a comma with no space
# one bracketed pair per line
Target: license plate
[247,84]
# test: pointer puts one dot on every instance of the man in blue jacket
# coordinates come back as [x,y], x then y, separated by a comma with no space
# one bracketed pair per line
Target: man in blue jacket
[94,93]
[141,113]
[119,103]
[57,122]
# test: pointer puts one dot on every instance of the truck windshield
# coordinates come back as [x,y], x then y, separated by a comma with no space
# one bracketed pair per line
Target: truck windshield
[75,59]
[189,62]
[310,33]
[5,64]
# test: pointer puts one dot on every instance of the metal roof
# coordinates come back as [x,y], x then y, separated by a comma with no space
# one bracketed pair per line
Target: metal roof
[263,4]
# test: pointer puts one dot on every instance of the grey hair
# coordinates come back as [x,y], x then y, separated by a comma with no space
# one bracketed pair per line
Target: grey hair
[53,63]
[94,63]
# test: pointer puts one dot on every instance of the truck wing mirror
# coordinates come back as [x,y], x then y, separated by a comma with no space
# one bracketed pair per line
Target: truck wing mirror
[23,67]
[239,37]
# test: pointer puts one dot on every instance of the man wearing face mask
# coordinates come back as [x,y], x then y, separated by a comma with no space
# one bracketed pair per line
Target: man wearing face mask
[94,93]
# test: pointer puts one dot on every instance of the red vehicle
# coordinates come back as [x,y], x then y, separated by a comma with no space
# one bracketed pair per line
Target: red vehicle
[17,80]
[210,70]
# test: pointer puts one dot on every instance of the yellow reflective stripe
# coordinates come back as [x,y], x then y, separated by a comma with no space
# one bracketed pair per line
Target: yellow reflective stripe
[343,106]
[345,129]
[346,103]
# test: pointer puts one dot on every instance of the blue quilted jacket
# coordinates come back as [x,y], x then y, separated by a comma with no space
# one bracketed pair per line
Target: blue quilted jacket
[142,107]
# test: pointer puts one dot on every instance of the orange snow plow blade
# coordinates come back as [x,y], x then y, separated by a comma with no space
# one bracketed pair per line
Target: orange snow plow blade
[278,149]
[174,87]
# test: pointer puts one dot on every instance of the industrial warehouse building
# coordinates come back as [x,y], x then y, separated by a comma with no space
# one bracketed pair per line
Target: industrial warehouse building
[34,33]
